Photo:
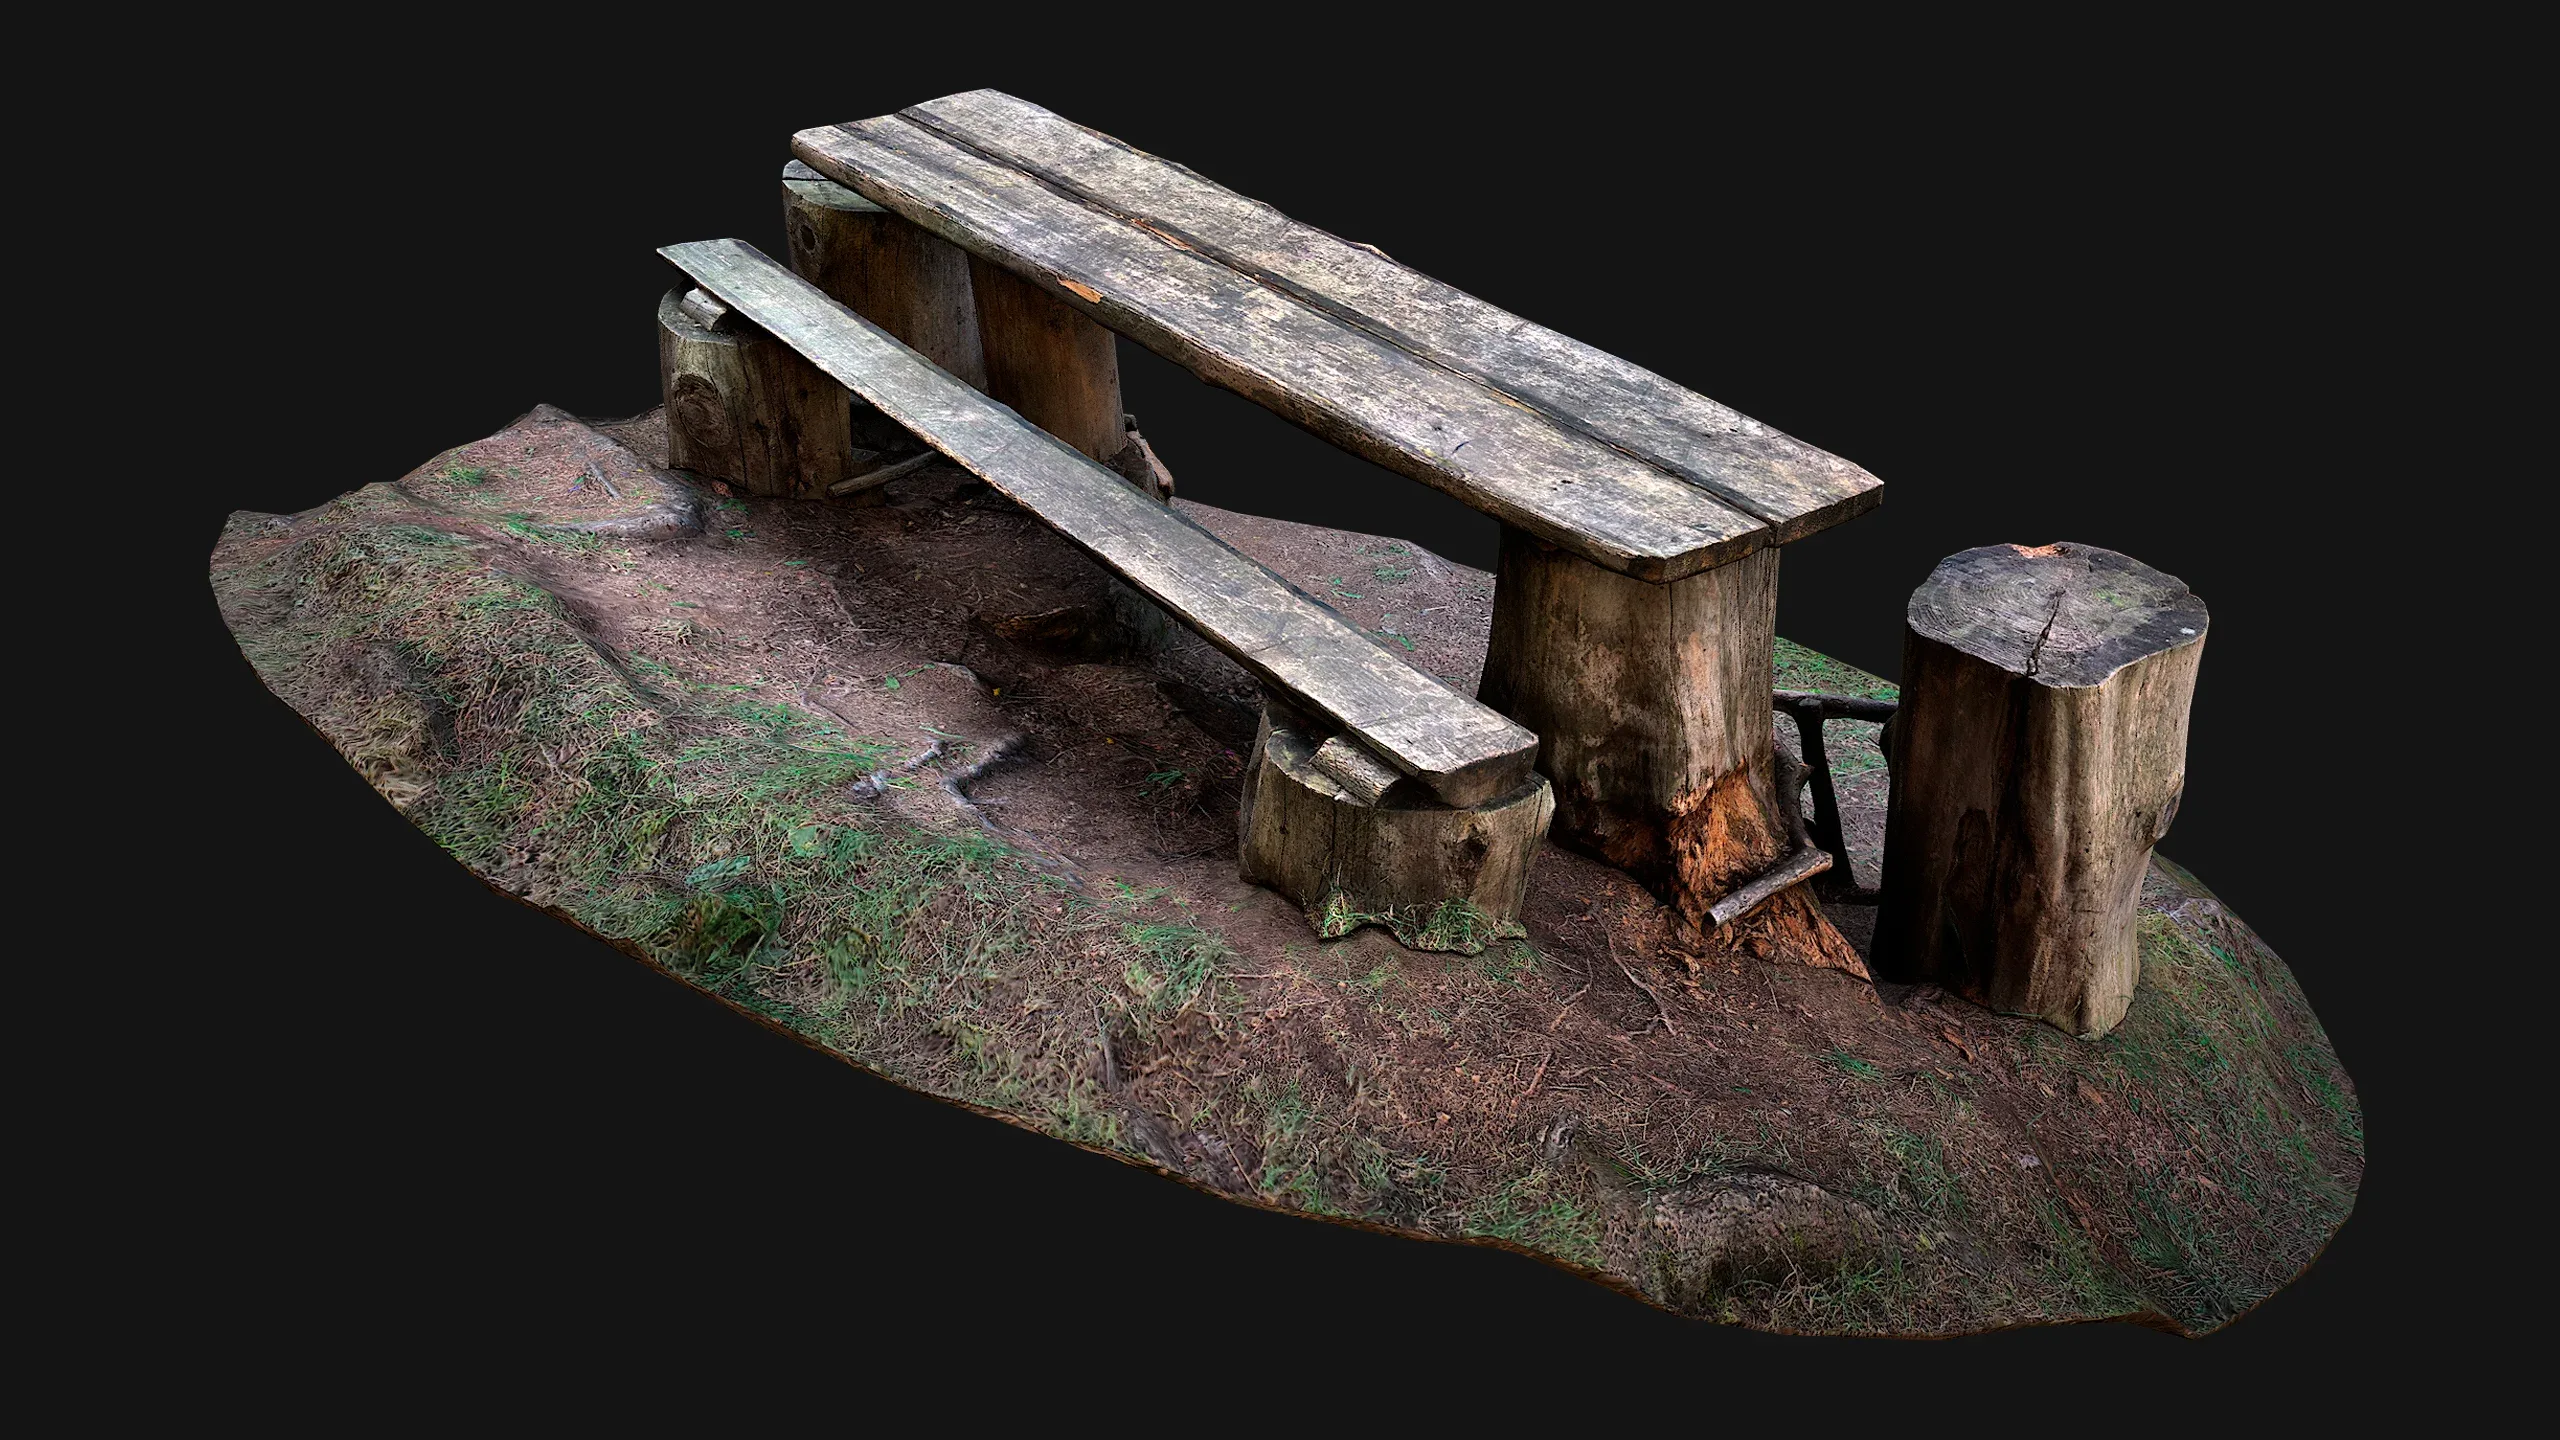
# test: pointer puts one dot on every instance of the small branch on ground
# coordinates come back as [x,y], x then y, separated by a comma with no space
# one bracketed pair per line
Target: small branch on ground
[1568,1005]
[1649,992]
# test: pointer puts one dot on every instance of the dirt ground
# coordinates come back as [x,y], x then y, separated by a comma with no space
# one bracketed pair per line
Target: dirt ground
[916,782]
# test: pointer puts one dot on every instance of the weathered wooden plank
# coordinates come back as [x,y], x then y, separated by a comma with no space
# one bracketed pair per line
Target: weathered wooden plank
[1463,751]
[1358,772]
[909,282]
[1796,487]
[1354,388]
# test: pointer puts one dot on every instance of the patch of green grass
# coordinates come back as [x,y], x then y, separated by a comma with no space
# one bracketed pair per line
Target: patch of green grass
[2313,1069]
[1796,668]
[1458,925]
[576,542]
[1505,964]
[2184,1249]
[1534,1211]
[1395,1187]
[1168,967]
[2073,1267]
[1854,1067]
[422,536]
[1920,1176]
[1866,1297]
[2272,1132]
[1292,1173]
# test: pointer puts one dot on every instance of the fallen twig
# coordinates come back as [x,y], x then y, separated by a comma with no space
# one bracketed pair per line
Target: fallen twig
[881,475]
[1568,1005]
[1649,992]
[1110,1068]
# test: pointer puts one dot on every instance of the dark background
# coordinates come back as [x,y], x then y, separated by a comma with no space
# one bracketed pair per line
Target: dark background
[2050,302]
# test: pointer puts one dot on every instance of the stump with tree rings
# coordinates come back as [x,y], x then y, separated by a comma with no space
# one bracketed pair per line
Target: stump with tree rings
[1352,843]
[2038,754]
[747,409]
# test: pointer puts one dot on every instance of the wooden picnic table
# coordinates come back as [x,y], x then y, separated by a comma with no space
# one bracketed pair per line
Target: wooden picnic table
[1636,603]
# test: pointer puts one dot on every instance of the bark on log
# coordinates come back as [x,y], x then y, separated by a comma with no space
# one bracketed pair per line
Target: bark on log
[1060,370]
[1379,849]
[904,279]
[1651,707]
[1651,704]
[2038,754]
[1137,463]
[744,408]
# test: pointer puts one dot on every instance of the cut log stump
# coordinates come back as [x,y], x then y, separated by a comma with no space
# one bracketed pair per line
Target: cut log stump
[1057,369]
[1651,704]
[901,277]
[1353,842]
[746,409]
[2038,754]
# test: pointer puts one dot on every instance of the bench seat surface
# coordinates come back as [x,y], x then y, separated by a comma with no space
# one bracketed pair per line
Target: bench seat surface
[1572,444]
[1463,751]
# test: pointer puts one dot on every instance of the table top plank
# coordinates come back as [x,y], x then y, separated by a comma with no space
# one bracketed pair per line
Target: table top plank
[1464,751]
[1355,388]
[1796,487]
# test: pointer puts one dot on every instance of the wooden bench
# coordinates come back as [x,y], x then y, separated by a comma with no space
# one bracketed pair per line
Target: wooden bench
[1634,620]
[1368,722]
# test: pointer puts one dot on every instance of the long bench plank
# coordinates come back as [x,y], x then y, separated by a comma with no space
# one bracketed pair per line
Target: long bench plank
[1795,487]
[1354,388]
[1465,752]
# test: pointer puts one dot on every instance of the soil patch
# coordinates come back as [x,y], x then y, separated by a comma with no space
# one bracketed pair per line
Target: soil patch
[916,782]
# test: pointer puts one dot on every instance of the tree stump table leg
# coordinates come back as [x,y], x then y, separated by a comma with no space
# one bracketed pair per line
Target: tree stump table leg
[747,409]
[1059,369]
[894,273]
[1350,840]
[1651,704]
[2038,754]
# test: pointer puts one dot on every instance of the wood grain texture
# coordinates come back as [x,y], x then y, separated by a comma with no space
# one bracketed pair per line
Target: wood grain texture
[1798,867]
[2038,754]
[1462,751]
[1795,487]
[1059,370]
[743,409]
[904,279]
[1651,704]
[702,310]
[1342,382]
[1358,772]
